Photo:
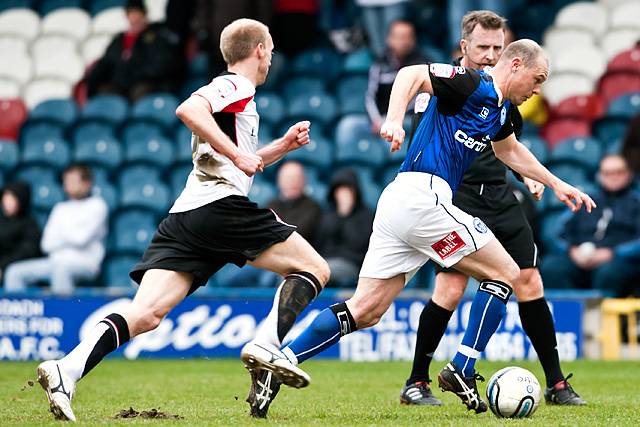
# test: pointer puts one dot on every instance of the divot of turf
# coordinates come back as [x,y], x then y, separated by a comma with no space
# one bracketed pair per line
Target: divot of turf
[151,414]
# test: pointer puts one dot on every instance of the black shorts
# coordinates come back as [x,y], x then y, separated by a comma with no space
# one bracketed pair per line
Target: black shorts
[500,210]
[201,241]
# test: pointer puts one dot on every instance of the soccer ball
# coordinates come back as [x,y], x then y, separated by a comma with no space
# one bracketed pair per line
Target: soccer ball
[513,393]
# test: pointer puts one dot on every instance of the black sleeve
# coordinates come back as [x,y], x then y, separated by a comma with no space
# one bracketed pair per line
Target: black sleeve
[505,131]
[516,120]
[452,85]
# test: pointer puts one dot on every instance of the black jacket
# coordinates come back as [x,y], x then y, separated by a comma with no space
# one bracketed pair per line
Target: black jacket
[303,212]
[19,235]
[345,237]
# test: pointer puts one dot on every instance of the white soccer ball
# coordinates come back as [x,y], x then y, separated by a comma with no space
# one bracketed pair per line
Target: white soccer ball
[513,392]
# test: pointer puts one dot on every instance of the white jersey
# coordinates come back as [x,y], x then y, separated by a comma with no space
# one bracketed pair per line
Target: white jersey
[214,176]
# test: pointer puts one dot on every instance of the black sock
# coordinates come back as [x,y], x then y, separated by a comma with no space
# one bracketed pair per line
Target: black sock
[537,323]
[433,324]
[296,292]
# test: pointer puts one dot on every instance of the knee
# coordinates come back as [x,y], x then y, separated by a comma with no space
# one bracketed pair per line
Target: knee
[148,319]
[449,290]
[529,285]
[511,273]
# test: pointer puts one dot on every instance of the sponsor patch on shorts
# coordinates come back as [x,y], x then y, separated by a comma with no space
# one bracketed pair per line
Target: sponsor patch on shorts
[448,245]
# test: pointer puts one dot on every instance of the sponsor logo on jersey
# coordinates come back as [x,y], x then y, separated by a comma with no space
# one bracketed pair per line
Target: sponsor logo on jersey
[446,71]
[470,142]
[480,226]
[484,113]
[447,246]
[503,115]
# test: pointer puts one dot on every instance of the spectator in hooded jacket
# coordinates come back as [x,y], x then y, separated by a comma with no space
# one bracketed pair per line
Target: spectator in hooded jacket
[19,231]
[345,229]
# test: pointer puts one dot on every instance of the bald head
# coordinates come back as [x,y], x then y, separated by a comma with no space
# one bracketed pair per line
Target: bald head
[291,180]
[527,50]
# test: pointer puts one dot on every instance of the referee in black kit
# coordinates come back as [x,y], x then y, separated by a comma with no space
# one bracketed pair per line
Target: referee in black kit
[485,193]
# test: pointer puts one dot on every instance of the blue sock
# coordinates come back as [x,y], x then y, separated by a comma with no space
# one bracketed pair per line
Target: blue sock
[488,308]
[325,330]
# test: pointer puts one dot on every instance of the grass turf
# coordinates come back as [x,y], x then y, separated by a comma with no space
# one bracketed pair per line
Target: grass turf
[212,392]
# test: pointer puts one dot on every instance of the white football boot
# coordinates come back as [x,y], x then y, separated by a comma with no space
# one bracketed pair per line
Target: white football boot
[268,357]
[59,388]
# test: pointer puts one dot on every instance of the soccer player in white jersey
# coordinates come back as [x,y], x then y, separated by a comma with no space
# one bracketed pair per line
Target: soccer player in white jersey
[213,223]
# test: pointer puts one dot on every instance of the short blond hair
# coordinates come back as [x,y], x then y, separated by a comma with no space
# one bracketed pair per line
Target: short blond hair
[485,18]
[240,38]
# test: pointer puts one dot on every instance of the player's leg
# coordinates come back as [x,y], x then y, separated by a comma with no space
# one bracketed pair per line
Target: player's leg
[447,293]
[159,292]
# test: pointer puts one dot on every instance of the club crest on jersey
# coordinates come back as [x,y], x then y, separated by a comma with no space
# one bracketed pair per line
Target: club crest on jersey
[480,226]
[446,71]
[503,115]
[484,113]
[448,245]
[224,87]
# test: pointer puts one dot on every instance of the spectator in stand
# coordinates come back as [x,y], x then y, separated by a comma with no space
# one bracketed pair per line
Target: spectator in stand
[73,239]
[456,9]
[604,247]
[295,25]
[377,16]
[400,52]
[631,145]
[19,231]
[139,61]
[338,21]
[345,229]
[292,205]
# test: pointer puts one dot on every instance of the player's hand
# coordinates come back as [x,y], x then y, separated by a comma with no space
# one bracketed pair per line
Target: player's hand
[297,135]
[394,133]
[573,198]
[535,188]
[249,163]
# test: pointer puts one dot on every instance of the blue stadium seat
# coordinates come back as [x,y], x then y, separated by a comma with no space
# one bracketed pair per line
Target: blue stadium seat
[433,53]
[352,127]
[270,107]
[1,179]
[97,6]
[182,139]
[317,107]
[318,152]
[116,271]
[278,69]
[41,217]
[199,66]
[138,174]
[610,129]
[100,175]
[156,150]
[52,151]
[103,151]
[626,106]
[35,174]
[178,178]
[370,192]
[17,4]
[140,131]
[262,192]
[537,146]
[571,173]
[60,111]
[45,194]
[147,194]
[158,107]
[302,85]
[551,227]
[133,230]
[320,62]
[92,131]
[108,108]
[317,190]
[365,150]
[357,62]
[265,133]
[47,6]
[108,192]
[9,155]
[191,85]
[583,151]
[351,92]
[40,131]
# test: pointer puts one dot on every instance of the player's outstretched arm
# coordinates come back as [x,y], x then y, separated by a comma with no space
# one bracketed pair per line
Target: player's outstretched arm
[519,158]
[296,137]
[195,113]
[408,82]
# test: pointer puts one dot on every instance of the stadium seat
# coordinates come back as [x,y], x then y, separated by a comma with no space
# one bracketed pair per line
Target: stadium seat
[317,107]
[625,15]
[370,192]
[627,61]
[9,155]
[94,47]
[302,85]
[109,21]
[357,62]
[583,151]
[138,173]
[561,129]
[9,88]
[587,60]
[199,66]
[262,192]
[108,193]
[133,230]
[156,150]
[350,94]
[16,66]
[590,16]
[317,190]
[551,227]
[270,107]
[97,7]
[557,39]
[266,133]
[351,127]
[191,85]
[156,10]
[45,194]
[44,88]
[109,108]
[15,4]
[116,271]
[365,150]
[619,40]
[141,131]
[14,113]
[102,151]
[537,146]
[66,66]
[35,174]
[92,131]
[612,85]
[318,153]
[20,22]
[12,46]
[61,111]
[388,175]
[626,106]
[562,86]
[71,21]
[178,177]
[158,107]
[278,69]
[47,45]
[571,173]
[146,194]
[182,140]
[40,131]
[319,62]
[585,107]
[609,129]
[51,151]
[433,53]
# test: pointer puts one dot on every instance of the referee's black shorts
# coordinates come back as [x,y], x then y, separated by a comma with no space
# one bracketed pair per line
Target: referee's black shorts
[201,241]
[496,205]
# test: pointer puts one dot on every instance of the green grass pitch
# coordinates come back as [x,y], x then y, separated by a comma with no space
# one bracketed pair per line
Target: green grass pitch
[212,392]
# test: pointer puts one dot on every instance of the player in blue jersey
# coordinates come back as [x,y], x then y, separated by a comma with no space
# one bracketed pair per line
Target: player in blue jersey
[416,219]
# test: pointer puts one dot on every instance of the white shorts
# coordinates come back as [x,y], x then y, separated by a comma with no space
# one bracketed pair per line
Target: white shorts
[416,221]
